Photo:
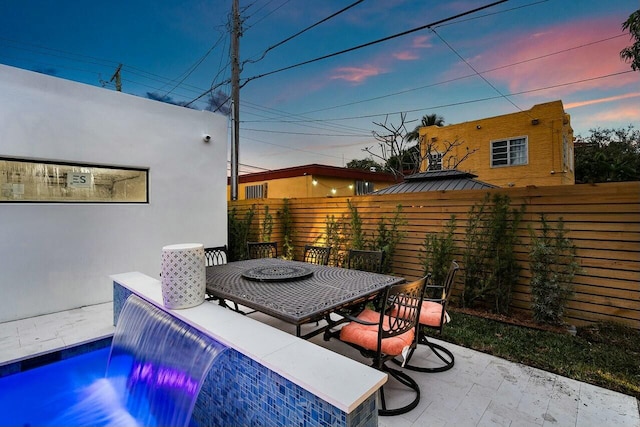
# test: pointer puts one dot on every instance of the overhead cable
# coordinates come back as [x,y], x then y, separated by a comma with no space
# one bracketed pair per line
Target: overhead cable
[351,49]
[402,92]
[473,101]
[301,32]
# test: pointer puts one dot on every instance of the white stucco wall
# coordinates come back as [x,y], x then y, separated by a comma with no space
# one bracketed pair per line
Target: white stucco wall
[56,256]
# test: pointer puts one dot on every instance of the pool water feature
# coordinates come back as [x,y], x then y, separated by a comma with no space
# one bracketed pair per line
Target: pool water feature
[150,376]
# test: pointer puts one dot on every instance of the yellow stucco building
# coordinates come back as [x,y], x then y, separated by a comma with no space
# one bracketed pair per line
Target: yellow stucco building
[310,181]
[532,147]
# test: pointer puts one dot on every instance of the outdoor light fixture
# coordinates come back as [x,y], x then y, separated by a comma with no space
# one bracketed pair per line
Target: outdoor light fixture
[478,127]
[314,182]
[206,137]
[333,191]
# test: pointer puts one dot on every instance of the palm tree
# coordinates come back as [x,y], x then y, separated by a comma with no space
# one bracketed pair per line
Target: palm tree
[427,120]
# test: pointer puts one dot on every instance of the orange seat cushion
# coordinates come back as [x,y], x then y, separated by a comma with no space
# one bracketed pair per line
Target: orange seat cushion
[431,313]
[366,336]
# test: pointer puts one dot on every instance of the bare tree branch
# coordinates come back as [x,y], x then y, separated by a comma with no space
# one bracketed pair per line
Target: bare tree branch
[402,156]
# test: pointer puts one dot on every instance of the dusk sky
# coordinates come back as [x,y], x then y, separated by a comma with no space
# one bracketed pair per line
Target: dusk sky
[500,60]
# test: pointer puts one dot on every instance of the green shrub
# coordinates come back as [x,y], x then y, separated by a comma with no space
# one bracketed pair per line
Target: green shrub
[437,252]
[388,237]
[287,230]
[357,237]
[335,238]
[238,233]
[490,265]
[553,267]
[267,225]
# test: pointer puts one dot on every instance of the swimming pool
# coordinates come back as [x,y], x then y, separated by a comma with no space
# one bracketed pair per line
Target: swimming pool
[150,375]
[41,395]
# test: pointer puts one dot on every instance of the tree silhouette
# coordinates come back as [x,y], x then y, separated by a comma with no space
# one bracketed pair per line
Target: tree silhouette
[427,120]
[632,53]
[401,157]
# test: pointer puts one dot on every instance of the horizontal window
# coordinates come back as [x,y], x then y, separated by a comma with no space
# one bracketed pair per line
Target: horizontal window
[509,152]
[24,180]
[364,187]
[255,191]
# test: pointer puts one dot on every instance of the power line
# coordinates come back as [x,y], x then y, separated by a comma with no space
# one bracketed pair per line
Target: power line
[493,13]
[472,101]
[351,49]
[402,92]
[302,119]
[305,133]
[292,148]
[268,14]
[474,70]
[193,67]
[333,15]
[283,42]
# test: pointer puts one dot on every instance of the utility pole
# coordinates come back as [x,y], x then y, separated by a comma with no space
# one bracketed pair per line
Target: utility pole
[116,76]
[235,97]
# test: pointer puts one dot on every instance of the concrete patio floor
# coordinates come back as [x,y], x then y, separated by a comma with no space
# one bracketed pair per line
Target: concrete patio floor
[480,390]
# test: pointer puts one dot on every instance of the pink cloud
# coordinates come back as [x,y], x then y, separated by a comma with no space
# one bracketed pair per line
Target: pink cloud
[627,113]
[356,74]
[573,64]
[406,55]
[421,42]
[601,100]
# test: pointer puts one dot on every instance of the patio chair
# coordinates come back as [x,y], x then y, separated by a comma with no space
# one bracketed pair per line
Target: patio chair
[257,250]
[433,315]
[382,338]
[370,261]
[316,254]
[216,255]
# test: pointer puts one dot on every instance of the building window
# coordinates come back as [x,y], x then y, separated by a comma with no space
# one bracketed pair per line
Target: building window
[364,187]
[23,180]
[509,152]
[255,191]
[435,161]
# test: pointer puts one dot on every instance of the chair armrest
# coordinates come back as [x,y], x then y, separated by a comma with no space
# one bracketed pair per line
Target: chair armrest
[352,318]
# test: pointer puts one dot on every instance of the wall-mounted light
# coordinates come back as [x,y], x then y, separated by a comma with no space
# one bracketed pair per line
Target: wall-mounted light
[535,121]
[478,127]
[333,191]
[350,186]
[314,182]
[206,137]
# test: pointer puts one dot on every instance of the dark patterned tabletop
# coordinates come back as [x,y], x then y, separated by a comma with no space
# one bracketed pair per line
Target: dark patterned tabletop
[321,290]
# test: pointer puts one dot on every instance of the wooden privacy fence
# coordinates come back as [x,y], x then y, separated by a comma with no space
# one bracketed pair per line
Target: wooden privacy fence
[603,222]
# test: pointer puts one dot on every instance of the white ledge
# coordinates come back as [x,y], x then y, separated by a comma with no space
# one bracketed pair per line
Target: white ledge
[341,381]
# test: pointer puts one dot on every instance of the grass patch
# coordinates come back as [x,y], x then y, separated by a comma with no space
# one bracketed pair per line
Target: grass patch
[602,354]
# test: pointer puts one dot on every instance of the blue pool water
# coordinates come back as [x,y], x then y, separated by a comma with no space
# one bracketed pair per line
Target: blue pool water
[42,395]
[150,375]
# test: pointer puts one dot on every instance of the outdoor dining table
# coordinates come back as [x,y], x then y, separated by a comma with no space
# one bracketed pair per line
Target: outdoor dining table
[292,291]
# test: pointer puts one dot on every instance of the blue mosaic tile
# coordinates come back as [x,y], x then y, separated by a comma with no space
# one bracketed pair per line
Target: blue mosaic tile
[85,348]
[120,295]
[10,369]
